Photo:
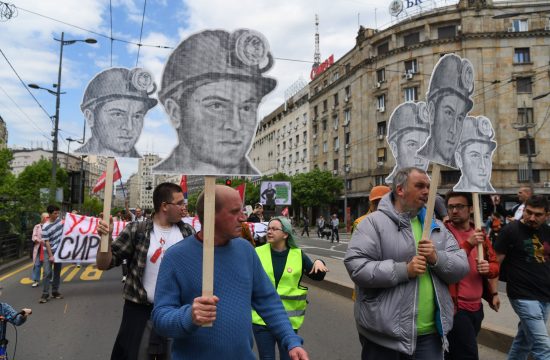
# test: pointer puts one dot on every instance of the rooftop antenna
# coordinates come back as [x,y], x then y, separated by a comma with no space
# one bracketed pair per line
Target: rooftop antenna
[317,54]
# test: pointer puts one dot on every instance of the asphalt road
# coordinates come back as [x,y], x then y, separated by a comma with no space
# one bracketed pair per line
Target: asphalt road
[84,324]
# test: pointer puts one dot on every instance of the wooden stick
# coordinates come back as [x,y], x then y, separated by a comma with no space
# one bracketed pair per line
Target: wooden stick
[436,172]
[104,245]
[477,223]
[208,237]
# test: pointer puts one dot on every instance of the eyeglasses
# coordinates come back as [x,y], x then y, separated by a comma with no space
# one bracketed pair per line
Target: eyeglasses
[273,229]
[457,207]
[181,205]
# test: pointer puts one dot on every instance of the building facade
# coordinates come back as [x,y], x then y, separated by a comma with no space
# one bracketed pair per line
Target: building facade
[146,180]
[282,141]
[510,55]
[3,134]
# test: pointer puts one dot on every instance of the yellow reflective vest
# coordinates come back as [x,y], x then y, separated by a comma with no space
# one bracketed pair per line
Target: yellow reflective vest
[292,294]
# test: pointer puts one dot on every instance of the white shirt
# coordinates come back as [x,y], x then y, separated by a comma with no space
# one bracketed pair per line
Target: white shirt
[161,240]
[519,212]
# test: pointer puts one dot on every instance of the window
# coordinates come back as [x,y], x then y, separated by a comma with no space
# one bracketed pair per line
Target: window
[381,154]
[290,143]
[284,161]
[297,139]
[527,147]
[304,118]
[324,124]
[304,137]
[315,149]
[519,25]
[381,102]
[411,94]
[315,112]
[336,143]
[381,128]
[325,146]
[284,130]
[521,56]
[335,164]
[523,175]
[289,159]
[284,145]
[380,180]
[278,149]
[335,76]
[383,48]
[304,154]
[348,67]
[381,75]
[525,115]
[347,138]
[348,184]
[411,39]
[411,66]
[325,105]
[347,117]
[347,90]
[524,85]
[314,129]
[446,32]
[450,177]
[335,122]
[325,167]
[336,99]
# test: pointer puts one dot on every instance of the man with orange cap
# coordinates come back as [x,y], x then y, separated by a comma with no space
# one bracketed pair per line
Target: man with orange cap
[375,195]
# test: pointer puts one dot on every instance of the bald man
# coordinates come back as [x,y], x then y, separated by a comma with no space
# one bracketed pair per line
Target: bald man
[240,282]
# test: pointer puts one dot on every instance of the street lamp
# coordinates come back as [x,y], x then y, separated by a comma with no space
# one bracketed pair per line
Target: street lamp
[57,94]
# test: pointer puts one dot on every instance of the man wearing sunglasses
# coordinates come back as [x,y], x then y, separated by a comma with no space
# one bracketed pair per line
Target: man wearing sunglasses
[143,245]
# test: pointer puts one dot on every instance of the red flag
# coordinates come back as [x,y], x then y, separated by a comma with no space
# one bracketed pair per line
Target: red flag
[183,185]
[241,189]
[285,211]
[101,181]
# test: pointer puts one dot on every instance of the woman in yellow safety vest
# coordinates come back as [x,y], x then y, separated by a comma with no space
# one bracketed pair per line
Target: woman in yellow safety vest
[284,263]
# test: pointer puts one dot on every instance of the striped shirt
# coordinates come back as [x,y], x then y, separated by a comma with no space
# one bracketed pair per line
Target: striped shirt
[52,233]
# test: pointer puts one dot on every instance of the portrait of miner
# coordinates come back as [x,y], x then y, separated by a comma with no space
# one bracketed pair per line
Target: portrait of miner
[448,103]
[114,105]
[212,85]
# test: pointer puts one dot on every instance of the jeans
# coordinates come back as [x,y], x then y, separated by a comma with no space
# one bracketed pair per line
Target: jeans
[532,334]
[265,342]
[36,269]
[47,273]
[463,336]
[335,234]
[428,347]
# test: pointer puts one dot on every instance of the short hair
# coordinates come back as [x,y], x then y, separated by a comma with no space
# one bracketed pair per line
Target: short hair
[528,187]
[537,201]
[164,193]
[402,176]
[52,208]
[200,206]
[451,194]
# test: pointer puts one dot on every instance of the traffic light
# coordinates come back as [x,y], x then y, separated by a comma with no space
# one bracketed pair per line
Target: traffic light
[228,182]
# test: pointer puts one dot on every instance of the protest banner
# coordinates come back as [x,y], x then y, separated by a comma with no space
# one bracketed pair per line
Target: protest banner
[275,193]
[80,240]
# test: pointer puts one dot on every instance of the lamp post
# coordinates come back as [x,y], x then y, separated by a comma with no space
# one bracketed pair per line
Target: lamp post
[57,94]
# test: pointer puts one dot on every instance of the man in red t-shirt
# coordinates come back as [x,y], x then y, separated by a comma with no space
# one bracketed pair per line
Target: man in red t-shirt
[467,293]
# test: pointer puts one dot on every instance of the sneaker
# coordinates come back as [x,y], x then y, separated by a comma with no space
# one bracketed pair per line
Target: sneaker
[44,299]
[57,295]
[35,284]
[124,279]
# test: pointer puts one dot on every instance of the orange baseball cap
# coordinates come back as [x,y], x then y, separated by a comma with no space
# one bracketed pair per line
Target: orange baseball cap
[378,191]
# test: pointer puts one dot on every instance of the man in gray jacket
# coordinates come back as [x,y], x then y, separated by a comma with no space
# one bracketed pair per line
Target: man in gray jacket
[403,306]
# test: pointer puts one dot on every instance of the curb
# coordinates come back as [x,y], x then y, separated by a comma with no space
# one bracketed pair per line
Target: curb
[492,336]
[14,263]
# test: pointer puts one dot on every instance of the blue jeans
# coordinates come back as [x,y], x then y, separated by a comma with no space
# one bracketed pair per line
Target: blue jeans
[265,342]
[36,269]
[47,275]
[532,336]
[428,347]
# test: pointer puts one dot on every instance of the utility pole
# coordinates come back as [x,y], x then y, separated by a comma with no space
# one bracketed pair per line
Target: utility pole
[53,187]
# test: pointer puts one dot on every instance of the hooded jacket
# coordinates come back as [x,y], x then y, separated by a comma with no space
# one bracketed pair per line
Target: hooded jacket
[387,300]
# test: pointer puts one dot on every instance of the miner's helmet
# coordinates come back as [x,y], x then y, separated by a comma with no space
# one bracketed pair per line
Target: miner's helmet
[406,117]
[452,75]
[477,129]
[120,83]
[215,55]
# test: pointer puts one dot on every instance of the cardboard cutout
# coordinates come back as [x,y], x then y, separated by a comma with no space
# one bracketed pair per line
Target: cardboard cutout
[474,155]
[212,86]
[408,129]
[448,101]
[115,103]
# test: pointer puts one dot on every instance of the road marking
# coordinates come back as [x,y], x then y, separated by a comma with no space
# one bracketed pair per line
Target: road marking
[89,272]
[65,310]
[16,271]
[321,248]
[337,258]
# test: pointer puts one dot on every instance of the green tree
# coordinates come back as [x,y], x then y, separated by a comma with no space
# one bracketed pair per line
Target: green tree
[315,188]
[8,204]
[92,205]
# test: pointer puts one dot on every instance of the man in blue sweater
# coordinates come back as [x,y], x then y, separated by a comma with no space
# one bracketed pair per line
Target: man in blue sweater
[239,282]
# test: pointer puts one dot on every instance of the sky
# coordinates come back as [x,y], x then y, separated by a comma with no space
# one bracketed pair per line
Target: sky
[27,42]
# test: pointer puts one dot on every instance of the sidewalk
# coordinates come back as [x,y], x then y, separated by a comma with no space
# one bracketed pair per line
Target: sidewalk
[498,329]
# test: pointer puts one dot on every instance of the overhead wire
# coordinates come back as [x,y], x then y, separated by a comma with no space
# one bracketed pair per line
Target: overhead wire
[141,31]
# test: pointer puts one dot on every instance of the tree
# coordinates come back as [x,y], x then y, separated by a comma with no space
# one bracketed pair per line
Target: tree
[91,205]
[315,188]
